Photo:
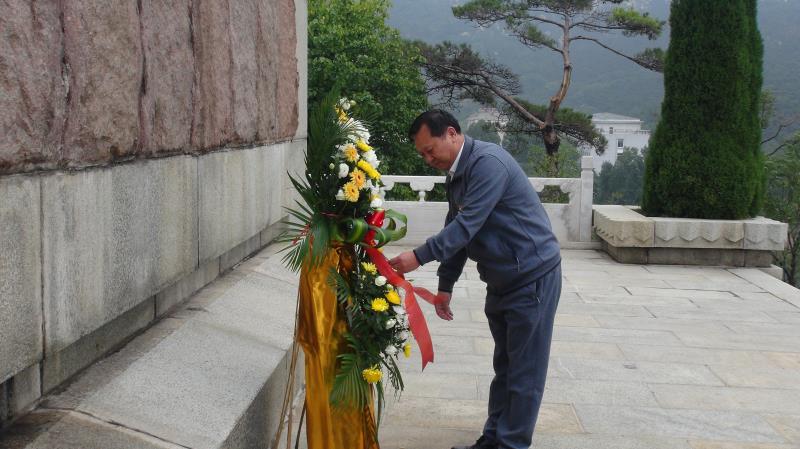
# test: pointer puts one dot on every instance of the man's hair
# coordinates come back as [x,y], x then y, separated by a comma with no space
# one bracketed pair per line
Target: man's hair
[437,121]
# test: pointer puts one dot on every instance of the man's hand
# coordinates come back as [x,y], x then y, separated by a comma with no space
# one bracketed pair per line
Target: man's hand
[443,307]
[405,262]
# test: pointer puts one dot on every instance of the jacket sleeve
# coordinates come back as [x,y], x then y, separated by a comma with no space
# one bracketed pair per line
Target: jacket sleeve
[450,270]
[486,185]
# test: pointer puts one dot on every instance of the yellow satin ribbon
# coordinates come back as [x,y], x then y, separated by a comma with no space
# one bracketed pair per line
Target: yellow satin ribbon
[321,329]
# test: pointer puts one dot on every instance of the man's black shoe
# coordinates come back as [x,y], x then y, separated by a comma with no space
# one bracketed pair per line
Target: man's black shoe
[482,443]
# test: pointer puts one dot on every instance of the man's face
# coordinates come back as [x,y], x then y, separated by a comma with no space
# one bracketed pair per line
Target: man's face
[438,152]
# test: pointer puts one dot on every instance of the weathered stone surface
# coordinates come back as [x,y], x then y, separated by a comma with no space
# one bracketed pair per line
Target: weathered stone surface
[712,425]
[698,233]
[70,430]
[113,238]
[186,287]
[239,252]
[220,338]
[59,366]
[244,23]
[238,192]
[267,64]
[166,103]
[774,286]
[213,111]
[620,226]
[32,94]
[765,234]
[103,54]
[26,389]
[20,275]
[286,104]
[301,10]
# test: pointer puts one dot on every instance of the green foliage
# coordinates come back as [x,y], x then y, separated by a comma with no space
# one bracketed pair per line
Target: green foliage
[528,150]
[351,46]
[782,203]
[621,183]
[704,159]
[636,23]
[575,125]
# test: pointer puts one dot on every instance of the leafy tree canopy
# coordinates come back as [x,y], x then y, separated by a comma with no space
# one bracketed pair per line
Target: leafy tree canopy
[351,47]
[782,202]
[621,183]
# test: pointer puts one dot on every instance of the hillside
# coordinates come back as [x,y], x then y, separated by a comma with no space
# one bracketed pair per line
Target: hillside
[603,81]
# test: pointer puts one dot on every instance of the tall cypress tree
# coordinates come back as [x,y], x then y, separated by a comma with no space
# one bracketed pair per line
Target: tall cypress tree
[704,159]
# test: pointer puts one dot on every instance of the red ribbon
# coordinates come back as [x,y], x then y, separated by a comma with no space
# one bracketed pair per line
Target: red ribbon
[374,218]
[416,320]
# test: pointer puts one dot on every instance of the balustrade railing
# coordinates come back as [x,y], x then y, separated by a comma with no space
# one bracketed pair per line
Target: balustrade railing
[571,221]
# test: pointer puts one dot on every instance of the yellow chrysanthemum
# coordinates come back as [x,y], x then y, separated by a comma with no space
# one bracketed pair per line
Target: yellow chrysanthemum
[393,297]
[380,305]
[371,172]
[358,177]
[407,350]
[369,267]
[342,115]
[363,145]
[372,375]
[351,192]
[350,153]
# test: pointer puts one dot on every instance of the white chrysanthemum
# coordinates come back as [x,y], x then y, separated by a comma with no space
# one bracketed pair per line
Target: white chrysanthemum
[376,203]
[391,323]
[380,281]
[399,310]
[363,134]
[403,336]
[390,350]
[340,195]
[344,170]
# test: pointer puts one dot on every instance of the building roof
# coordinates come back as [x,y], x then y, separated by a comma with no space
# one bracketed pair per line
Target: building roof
[611,117]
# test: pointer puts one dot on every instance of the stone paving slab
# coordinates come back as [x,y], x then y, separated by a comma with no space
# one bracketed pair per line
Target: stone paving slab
[650,357]
[674,423]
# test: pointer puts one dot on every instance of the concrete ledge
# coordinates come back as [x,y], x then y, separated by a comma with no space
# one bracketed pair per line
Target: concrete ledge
[630,237]
[209,375]
[20,275]
[620,226]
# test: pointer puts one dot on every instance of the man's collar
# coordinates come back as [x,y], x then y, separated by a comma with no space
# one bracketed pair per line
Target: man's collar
[454,167]
[466,150]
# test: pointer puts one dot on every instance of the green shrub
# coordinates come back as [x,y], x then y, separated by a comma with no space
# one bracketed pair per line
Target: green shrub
[704,159]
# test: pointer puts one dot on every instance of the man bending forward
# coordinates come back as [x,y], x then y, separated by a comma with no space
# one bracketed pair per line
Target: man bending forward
[496,219]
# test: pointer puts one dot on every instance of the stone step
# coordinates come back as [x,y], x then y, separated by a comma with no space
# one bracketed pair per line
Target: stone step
[211,375]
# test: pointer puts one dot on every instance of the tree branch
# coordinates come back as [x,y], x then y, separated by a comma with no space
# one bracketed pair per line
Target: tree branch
[648,65]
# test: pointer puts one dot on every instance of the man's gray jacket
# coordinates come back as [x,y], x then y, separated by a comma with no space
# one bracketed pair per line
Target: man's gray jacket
[496,219]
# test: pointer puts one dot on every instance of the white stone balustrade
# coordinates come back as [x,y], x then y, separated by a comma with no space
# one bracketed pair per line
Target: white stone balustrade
[571,221]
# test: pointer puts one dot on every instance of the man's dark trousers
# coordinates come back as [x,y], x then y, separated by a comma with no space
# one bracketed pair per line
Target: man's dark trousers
[521,322]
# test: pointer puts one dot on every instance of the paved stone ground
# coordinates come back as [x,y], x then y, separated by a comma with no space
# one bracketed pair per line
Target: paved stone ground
[655,357]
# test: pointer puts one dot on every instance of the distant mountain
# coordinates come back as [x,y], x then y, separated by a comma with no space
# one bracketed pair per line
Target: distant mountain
[602,81]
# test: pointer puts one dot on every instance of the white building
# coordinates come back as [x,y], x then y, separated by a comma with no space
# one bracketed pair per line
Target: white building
[620,132]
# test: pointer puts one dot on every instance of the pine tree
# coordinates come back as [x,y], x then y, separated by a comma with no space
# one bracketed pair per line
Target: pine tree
[704,159]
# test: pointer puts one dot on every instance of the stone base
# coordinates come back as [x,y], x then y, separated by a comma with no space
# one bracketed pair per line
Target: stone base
[630,237]
[211,374]
[689,256]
